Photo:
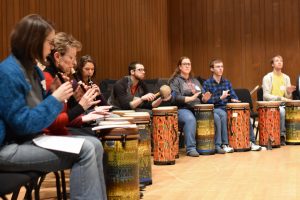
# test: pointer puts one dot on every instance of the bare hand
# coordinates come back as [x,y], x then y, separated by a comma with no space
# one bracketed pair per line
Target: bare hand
[91,117]
[235,101]
[88,99]
[206,96]
[103,110]
[63,92]
[291,88]
[148,97]
[225,94]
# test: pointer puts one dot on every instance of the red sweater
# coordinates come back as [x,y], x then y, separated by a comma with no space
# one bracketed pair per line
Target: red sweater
[59,126]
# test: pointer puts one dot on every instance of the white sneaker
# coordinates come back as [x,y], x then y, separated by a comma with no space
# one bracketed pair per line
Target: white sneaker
[255,147]
[227,148]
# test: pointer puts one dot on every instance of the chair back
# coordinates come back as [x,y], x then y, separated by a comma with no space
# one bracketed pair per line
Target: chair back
[244,96]
[260,94]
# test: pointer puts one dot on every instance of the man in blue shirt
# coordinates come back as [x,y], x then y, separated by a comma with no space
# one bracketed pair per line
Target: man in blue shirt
[222,93]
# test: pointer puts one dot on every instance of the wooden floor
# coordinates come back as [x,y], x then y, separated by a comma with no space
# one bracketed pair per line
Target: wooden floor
[270,174]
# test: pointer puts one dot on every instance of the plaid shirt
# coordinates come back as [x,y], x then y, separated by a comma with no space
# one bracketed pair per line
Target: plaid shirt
[216,89]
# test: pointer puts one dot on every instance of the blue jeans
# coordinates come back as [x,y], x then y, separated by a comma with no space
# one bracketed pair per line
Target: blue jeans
[187,121]
[221,134]
[282,120]
[86,178]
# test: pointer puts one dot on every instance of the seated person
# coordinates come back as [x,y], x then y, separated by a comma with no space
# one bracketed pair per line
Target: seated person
[222,93]
[131,92]
[277,87]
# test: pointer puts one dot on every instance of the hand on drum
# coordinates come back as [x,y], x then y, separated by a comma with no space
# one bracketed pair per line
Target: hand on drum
[91,117]
[103,110]
[235,101]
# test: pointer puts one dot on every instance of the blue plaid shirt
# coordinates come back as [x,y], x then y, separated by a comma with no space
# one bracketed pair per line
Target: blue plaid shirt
[216,89]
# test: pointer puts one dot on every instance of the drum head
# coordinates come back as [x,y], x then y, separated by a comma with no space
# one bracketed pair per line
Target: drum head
[122,112]
[293,103]
[138,116]
[164,110]
[237,106]
[204,107]
[119,134]
[268,104]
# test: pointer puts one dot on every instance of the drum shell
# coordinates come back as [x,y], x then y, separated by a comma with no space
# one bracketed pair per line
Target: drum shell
[165,136]
[238,119]
[121,163]
[205,131]
[292,122]
[144,147]
[269,123]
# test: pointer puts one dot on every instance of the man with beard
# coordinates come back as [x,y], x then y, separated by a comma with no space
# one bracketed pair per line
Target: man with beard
[131,92]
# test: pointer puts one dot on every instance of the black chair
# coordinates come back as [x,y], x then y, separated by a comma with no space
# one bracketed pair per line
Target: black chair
[245,96]
[260,94]
[12,182]
[106,87]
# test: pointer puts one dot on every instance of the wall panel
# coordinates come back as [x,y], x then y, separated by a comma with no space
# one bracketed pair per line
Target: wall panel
[244,33]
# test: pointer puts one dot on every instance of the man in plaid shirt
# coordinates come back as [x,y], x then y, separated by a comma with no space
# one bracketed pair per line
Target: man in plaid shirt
[222,93]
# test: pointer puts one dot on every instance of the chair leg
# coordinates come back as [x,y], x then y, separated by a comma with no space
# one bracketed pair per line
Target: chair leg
[15,194]
[37,187]
[58,191]
[63,184]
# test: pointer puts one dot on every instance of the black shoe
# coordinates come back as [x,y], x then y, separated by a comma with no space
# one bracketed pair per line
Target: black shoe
[282,141]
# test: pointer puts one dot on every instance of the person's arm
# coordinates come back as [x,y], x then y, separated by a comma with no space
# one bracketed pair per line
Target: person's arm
[175,86]
[15,111]
[288,94]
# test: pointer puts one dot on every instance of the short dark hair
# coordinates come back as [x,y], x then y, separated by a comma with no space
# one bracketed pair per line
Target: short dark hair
[132,66]
[27,40]
[83,60]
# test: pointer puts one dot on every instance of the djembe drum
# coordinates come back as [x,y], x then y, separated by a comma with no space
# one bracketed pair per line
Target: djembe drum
[292,122]
[205,132]
[165,135]
[142,119]
[269,123]
[122,112]
[238,119]
[121,162]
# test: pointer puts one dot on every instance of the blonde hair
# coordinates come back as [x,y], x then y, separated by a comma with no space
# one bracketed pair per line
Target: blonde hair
[214,61]
[62,41]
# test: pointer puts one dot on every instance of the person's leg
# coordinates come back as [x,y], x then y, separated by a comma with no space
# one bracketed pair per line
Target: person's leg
[218,140]
[282,120]
[28,157]
[217,122]
[252,137]
[223,124]
[86,133]
[187,120]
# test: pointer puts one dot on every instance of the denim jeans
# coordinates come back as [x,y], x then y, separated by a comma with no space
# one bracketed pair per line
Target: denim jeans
[221,135]
[187,121]
[282,121]
[86,167]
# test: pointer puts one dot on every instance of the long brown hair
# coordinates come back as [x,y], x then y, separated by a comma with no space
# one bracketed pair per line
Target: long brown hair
[83,60]
[27,40]
[177,70]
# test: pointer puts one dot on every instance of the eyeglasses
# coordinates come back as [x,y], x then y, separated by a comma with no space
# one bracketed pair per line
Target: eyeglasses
[218,66]
[141,70]
[186,64]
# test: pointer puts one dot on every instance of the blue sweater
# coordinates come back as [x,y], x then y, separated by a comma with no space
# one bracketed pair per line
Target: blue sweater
[17,119]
